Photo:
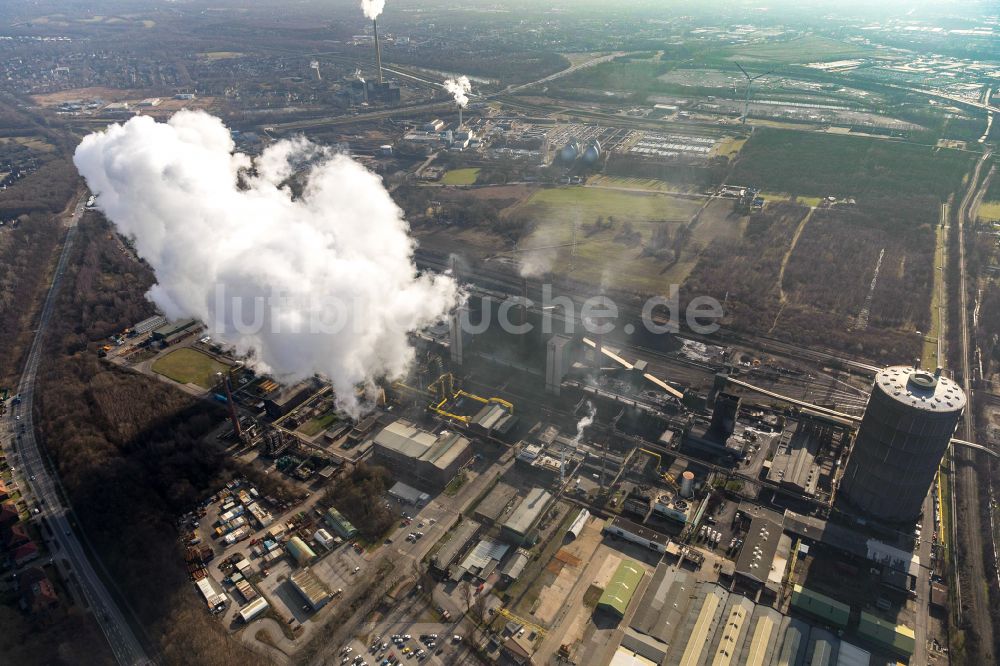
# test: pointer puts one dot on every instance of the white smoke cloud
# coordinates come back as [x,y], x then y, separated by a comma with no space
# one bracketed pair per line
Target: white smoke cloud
[459,88]
[372,8]
[535,263]
[585,422]
[327,279]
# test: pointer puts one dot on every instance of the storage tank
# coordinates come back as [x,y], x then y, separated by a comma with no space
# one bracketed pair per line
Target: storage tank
[687,484]
[570,151]
[593,152]
[906,429]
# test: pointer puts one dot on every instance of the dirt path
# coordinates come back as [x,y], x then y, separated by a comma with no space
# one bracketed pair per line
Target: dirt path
[784,264]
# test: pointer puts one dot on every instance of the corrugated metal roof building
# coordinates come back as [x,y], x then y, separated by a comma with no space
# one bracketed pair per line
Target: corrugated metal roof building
[147,325]
[451,549]
[300,551]
[339,524]
[728,639]
[852,655]
[577,525]
[408,494]
[173,329]
[253,610]
[763,639]
[515,565]
[696,634]
[482,560]
[636,533]
[820,606]
[795,640]
[619,591]
[419,455]
[626,657]
[520,524]
[823,648]
[311,588]
[664,604]
[501,498]
[324,538]
[898,638]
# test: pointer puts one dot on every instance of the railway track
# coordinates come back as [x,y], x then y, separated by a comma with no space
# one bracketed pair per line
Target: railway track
[972,593]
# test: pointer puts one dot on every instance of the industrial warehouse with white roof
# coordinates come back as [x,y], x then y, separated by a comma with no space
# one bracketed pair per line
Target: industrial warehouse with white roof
[423,457]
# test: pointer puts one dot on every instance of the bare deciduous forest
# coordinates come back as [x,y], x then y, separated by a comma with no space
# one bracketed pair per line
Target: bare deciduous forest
[130,451]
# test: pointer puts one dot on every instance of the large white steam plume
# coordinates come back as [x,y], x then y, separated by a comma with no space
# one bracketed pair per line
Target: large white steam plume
[372,8]
[585,422]
[319,282]
[459,88]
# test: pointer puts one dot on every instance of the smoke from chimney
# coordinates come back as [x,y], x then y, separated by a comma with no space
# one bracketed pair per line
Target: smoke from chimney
[585,422]
[318,282]
[459,88]
[372,8]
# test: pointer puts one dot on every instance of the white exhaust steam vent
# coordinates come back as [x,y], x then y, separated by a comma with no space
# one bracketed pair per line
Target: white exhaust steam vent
[372,8]
[320,283]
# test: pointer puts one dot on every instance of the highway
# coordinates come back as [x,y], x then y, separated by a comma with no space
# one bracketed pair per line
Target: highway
[43,489]
[974,594]
[428,106]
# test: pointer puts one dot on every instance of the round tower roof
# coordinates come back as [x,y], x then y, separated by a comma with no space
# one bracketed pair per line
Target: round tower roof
[920,389]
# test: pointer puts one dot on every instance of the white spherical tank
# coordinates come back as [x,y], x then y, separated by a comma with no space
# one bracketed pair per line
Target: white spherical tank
[570,151]
[592,153]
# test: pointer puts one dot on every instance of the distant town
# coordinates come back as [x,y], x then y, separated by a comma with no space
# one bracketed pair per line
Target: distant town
[776,441]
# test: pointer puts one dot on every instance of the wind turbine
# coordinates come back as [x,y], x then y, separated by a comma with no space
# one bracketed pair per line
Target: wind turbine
[750,80]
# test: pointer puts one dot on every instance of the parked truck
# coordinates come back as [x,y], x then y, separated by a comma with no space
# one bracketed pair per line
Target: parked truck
[237,535]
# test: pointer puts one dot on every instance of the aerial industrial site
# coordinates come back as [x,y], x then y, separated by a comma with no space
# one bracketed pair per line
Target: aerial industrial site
[387,332]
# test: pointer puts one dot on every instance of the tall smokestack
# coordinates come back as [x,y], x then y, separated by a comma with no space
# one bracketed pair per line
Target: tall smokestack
[459,117]
[378,51]
[232,406]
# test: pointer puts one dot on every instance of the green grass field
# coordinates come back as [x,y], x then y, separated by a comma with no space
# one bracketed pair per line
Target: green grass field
[189,366]
[643,184]
[460,177]
[989,210]
[814,164]
[598,258]
[811,48]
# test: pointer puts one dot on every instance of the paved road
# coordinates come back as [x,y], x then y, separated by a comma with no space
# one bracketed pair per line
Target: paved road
[428,106]
[43,487]
[974,593]
[923,580]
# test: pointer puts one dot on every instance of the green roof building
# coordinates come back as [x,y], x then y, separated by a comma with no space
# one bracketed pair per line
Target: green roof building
[618,594]
[820,606]
[342,526]
[897,638]
[300,551]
